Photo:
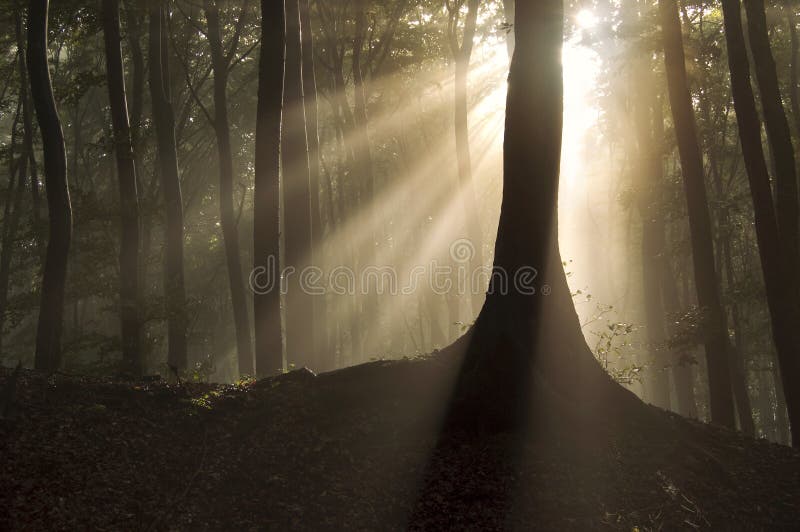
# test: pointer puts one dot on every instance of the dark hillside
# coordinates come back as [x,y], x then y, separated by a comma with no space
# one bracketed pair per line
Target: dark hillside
[354,449]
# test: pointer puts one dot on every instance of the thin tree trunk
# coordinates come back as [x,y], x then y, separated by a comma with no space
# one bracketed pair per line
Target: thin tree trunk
[779,278]
[51,309]
[230,234]
[27,124]
[706,282]
[653,243]
[128,194]
[11,212]
[266,199]
[164,120]
[364,169]
[297,198]
[133,18]
[778,132]
[312,134]
[682,373]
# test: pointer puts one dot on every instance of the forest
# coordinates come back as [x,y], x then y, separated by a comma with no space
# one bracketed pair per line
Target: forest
[399,265]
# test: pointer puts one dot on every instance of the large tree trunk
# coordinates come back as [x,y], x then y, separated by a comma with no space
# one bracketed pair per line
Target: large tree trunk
[230,234]
[461,55]
[266,199]
[779,277]
[164,119]
[778,132]
[297,198]
[532,325]
[706,282]
[128,193]
[312,134]
[51,310]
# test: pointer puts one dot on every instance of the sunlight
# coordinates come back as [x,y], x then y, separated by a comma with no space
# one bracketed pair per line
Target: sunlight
[586,19]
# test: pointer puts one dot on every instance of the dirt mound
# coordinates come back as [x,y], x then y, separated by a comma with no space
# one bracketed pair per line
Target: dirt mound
[363,449]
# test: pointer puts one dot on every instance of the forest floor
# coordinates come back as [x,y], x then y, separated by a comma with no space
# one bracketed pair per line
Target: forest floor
[361,449]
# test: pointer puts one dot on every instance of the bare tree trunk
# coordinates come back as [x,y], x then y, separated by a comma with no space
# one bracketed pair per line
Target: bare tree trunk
[51,309]
[230,234]
[266,199]
[779,277]
[778,132]
[321,347]
[653,241]
[133,18]
[297,198]
[531,328]
[128,193]
[706,282]
[164,119]
[682,373]
[27,124]
[11,211]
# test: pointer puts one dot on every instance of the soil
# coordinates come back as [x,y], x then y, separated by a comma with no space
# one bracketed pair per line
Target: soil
[364,449]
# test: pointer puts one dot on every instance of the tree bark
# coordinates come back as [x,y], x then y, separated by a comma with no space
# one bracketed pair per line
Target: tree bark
[27,141]
[133,20]
[779,277]
[11,211]
[706,282]
[778,133]
[312,135]
[51,310]
[266,199]
[532,327]
[297,198]
[164,120]
[230,234]
[130,321]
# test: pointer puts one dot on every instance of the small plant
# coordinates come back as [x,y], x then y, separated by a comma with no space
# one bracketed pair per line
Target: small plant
[203,369]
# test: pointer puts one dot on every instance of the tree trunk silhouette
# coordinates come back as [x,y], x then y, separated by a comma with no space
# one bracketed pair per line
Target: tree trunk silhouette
[266,199]
[312,135]
[297,198]
[230,234]
[27,124]
[11,211]
[128,194]
[778,133]
[706,281]
[51,309]
[164,120]
[779,277]
[648,165]
[531,328]
[133,18]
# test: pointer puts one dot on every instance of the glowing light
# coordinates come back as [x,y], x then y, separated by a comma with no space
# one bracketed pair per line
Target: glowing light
[586,19]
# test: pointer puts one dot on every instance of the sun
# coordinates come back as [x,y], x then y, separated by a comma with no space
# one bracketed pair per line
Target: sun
[586,19]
